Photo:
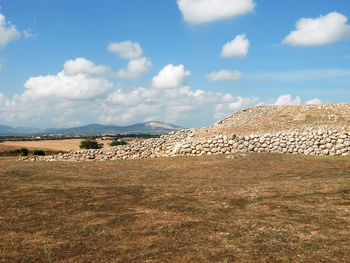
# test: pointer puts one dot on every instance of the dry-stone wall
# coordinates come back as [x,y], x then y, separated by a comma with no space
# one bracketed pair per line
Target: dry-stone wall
[185,143]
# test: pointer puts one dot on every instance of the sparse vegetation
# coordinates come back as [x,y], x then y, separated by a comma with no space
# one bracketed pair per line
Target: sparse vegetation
[90,144]
[118,142]
[59,144]
[308,118]
[16,152]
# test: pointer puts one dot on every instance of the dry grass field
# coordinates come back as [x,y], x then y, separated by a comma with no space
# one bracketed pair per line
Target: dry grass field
[52,145]
[259,208]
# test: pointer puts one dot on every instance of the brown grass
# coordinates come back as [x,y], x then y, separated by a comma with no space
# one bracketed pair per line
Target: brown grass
[260,208]
[52,145]
[6,147]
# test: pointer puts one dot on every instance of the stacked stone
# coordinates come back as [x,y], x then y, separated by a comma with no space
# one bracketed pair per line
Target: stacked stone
[308,142]
[216,145]
[185,143]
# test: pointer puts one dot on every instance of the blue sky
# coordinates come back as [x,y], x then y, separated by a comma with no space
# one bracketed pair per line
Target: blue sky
[58,67]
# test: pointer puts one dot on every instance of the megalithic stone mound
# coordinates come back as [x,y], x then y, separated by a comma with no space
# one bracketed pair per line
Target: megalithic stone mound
[295,129]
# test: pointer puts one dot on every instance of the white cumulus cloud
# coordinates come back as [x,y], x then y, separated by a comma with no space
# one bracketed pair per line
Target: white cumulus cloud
[132,98]
[314,101]
[319,31]
[83,66]
[230,104]
[287,100]
[170,105]
[170,77]
[2,98]
[75,87]
[78,81]
[135,68]
[80,94]
[126,49]
[202,11]
[8,32]
[238,47]
[225,75]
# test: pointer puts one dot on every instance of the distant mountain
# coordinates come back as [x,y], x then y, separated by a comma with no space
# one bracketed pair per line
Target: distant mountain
[152,127]
[6,129]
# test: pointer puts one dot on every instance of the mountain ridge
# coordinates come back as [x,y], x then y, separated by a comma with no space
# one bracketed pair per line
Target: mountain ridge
[151,127]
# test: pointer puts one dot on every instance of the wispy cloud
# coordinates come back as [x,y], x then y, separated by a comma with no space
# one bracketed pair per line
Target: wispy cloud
[304,75]
[263,78]
[29,35]
[299,75]
[8,32]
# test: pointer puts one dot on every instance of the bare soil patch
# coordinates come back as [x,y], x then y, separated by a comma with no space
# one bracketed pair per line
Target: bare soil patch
[259,208]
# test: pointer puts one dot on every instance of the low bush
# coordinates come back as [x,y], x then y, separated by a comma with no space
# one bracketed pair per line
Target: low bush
[39,152]
[21,152]
[90,144]
[118,142]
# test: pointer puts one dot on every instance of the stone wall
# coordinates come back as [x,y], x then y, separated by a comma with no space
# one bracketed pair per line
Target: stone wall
[185,143]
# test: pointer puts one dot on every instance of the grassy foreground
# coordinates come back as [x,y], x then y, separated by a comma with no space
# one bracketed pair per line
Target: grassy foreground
[259,208]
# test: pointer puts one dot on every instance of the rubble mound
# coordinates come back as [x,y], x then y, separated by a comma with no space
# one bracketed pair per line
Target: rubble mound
[263,119]
[322,129]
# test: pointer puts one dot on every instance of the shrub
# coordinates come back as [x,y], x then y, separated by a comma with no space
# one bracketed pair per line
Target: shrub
[23,151]
[118,142]
[39,152]
[90,144]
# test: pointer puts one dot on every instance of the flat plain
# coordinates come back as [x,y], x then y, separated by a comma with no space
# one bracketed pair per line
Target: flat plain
[51,145]
[254,208]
